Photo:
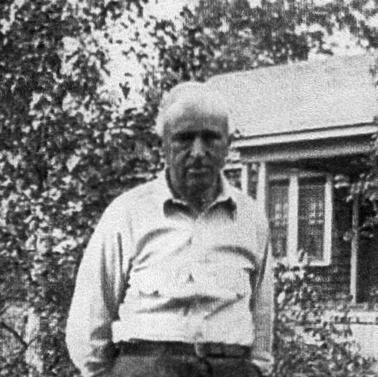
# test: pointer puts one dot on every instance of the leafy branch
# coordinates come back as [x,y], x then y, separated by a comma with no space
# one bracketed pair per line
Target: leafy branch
[15,334]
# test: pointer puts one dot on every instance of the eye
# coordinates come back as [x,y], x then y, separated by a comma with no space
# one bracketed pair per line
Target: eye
[183,138]
[210,136]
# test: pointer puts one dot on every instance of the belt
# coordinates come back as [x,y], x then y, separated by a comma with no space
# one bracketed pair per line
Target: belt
[201,350]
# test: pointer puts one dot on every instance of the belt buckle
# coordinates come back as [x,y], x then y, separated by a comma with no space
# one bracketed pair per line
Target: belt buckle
[200,349]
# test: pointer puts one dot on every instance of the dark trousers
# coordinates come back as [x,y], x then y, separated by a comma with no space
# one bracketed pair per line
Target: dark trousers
[165,365]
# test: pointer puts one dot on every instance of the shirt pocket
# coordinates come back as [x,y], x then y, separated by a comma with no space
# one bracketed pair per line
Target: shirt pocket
[153,282]
[146,284]
[232,278]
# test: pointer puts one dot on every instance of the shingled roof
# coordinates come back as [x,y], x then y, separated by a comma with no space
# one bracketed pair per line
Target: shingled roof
[292,98]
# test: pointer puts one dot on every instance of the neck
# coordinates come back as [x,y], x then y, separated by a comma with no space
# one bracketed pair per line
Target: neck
[200,200]
[197,199]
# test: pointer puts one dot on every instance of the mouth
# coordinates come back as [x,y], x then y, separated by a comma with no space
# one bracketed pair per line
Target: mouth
[198,170]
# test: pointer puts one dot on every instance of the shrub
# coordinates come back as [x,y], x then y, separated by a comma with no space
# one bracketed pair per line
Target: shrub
[306,343]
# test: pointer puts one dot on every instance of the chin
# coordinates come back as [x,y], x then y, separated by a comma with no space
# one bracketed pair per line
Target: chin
[198,187]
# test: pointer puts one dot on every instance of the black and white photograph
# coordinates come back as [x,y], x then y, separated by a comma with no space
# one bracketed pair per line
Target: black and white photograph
[188,188]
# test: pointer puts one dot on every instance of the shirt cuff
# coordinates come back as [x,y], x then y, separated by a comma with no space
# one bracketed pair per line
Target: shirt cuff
[264,362]
[102,362]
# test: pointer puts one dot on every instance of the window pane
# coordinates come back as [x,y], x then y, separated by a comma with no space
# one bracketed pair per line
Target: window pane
[311,219]
[234,177]
[278,215]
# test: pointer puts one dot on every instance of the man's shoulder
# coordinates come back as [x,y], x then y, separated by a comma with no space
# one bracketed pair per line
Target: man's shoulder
[126,205]
[250,208]
[244,200]
[140,193]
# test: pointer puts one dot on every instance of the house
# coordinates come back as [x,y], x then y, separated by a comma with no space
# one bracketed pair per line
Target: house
[299,127]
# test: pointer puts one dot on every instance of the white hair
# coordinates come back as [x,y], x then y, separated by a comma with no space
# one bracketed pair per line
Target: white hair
[196,95]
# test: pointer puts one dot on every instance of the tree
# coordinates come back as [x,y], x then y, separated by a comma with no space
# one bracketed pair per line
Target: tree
[65,151]
[221,36]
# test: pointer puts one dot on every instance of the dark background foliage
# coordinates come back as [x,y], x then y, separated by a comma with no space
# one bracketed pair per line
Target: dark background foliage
[65,152]
[308,343]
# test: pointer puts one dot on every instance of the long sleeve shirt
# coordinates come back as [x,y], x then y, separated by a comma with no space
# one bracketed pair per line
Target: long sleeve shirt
[152,270]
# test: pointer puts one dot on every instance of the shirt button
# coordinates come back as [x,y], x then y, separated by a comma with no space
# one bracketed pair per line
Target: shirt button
[198,336]
[200,350]
[184,276]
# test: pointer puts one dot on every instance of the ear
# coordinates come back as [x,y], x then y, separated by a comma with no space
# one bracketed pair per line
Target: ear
[164,147]
[164,139]
[230,138]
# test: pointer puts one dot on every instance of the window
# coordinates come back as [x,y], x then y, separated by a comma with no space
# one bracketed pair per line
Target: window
[233,176]
[278,216]
[311,218]
[300,216]
[242,176]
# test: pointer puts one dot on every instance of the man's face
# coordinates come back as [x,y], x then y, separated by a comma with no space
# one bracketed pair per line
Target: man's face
[195,146]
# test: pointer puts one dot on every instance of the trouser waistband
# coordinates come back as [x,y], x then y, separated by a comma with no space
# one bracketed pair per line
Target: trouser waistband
[202,350]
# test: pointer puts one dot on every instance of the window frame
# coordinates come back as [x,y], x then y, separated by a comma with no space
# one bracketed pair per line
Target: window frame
[293,176]
[279,184]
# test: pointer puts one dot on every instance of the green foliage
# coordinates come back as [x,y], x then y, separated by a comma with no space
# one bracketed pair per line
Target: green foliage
[307,342]
[65,151]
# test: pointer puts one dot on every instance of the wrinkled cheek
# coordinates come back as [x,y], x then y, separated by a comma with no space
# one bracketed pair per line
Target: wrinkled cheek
[178,163]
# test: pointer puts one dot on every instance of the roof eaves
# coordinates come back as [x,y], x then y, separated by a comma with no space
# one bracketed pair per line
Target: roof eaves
[305,135]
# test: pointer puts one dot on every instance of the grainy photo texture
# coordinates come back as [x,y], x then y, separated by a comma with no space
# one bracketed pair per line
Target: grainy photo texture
[188,188]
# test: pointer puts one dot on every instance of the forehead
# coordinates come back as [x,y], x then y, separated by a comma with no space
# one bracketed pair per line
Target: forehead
[195,117]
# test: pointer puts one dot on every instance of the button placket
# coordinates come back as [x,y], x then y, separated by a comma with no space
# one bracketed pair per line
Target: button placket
[185,277]
[197,315]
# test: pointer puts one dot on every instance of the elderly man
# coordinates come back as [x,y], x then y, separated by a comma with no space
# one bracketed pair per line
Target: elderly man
[176,281]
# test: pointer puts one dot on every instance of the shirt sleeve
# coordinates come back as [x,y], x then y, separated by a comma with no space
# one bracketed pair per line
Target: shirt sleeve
[98,293]
[263,311]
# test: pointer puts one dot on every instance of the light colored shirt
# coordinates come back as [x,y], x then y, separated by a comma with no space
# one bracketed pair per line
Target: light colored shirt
[152,270]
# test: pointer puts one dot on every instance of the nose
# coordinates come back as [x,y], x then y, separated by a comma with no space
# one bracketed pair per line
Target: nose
[198,148]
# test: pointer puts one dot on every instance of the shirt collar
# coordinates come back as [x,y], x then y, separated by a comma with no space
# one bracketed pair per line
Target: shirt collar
[227,192]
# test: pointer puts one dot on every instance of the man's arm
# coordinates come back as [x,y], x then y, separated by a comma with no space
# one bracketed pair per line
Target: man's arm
[98,293]
[263,312]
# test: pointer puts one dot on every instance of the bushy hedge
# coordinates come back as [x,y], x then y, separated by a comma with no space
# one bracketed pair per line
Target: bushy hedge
[67,148]
[306,343]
